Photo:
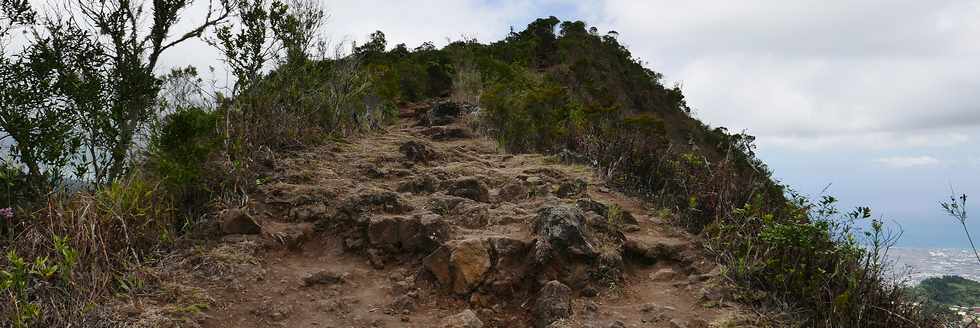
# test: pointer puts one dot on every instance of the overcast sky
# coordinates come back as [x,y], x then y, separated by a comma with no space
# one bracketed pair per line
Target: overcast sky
[878,99]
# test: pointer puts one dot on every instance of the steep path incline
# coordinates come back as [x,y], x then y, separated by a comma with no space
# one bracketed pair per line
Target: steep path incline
[431,226]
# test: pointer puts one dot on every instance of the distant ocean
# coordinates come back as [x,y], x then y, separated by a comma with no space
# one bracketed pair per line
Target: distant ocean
[923,263]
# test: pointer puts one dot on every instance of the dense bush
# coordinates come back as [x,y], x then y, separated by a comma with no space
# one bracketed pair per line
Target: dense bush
[820,262]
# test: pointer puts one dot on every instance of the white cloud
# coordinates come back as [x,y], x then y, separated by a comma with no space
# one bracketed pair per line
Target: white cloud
[973,161]
[908,162]
[863,140]
[815,71]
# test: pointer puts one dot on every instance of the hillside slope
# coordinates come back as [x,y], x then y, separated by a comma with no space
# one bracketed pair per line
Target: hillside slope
[417,224]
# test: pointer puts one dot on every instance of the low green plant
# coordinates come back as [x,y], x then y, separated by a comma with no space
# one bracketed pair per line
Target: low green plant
[22,280]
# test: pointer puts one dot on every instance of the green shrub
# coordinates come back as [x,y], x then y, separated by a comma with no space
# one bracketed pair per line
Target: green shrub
[833,273]
[181,155]
[185,140]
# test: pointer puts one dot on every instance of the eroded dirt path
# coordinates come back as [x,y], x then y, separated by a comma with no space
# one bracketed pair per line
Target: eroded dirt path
[414,226]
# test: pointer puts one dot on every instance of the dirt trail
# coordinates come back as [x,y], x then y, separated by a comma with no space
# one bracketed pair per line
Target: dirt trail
[416,225]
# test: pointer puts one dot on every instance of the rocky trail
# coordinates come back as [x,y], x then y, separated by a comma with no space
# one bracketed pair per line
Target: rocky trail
[428,225]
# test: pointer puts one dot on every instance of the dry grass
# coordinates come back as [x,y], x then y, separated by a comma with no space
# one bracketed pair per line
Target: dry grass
[101,244]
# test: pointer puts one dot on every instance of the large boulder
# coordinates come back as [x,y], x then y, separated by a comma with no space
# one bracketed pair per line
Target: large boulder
[554,302]
[511,265]
[466,319]
[461,265]
[471,188]
[495,265]
[562,227]
[574,250]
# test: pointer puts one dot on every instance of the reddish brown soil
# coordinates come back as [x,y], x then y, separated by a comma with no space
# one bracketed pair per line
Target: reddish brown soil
[303,187]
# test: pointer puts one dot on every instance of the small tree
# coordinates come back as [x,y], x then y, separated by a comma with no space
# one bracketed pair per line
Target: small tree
[85,87]
[269,31]
[37,96]
[133,52]
[956,208]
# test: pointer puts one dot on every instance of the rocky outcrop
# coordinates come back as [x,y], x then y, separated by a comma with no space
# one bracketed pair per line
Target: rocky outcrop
[574,250]
[561,228]
[422,233]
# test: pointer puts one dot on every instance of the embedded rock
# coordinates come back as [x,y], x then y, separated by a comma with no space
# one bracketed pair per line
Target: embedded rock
[513,191]
[471,188]
[554,303]
[471,261]
[587,204]
[574,250]
[238,222]
[325,277]
[418,185]
[408,234]
[460,265]
[562,227]
[571,188]
[651,250]
[374,200]
[444,113]
[418,152]
[466,319]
